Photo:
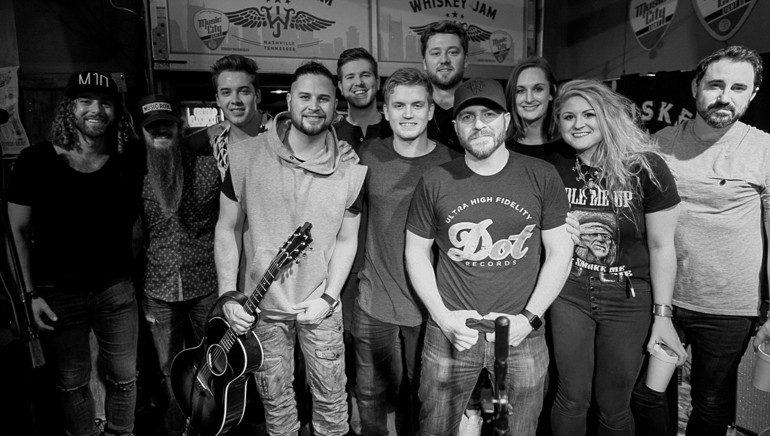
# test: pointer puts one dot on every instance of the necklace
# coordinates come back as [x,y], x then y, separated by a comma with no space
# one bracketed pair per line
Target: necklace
[587,178]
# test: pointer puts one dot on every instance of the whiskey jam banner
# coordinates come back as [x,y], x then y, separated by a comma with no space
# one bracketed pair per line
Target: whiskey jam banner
[300,29]
[723,18]
[650,19]
[496,28]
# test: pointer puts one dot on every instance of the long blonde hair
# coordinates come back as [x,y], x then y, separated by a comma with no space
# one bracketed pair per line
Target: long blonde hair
[623,154]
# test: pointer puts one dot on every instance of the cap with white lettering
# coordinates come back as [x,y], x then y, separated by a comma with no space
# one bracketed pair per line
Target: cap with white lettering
[156,107]
[92,81]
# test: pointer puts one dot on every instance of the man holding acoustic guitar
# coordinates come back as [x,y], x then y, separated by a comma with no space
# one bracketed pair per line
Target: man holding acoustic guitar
[291,174]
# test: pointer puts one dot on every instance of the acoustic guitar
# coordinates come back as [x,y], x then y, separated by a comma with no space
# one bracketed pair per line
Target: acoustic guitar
[209,380]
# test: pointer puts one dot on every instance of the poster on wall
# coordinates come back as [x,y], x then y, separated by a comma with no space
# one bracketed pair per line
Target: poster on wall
[650,19]
[13,137]
[496,28]
[191,34]
[723,18]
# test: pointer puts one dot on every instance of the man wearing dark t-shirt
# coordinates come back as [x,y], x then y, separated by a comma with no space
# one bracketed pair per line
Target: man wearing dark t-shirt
[388,312]
[79,194]
[490,213]
[444,46]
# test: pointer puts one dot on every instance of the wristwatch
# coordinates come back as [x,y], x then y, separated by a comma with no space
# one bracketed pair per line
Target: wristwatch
[533,319]
[331,302]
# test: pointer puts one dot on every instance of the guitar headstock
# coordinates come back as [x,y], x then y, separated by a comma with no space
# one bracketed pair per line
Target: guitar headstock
[298,242]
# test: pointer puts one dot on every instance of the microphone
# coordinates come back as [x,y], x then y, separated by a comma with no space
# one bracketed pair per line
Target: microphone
[4,116]
[502,325]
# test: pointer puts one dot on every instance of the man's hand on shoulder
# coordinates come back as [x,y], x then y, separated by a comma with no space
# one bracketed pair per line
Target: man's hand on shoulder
[348,154]
[452,324]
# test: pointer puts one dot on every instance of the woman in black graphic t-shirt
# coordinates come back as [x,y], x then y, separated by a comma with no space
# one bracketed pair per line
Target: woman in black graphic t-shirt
[625,200]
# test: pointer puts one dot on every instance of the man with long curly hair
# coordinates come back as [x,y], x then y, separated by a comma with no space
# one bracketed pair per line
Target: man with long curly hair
[77,193]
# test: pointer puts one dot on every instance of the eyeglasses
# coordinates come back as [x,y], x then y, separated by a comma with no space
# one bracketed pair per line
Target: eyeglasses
[487,117]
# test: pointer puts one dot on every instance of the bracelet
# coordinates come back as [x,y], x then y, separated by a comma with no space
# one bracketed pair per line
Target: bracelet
[32,294]
[664,310]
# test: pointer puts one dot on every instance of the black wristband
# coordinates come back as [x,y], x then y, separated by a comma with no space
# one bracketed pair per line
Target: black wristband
[533,319]
[330,301]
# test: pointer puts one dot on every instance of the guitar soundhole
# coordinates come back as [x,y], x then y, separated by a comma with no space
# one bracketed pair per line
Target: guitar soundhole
[217,360]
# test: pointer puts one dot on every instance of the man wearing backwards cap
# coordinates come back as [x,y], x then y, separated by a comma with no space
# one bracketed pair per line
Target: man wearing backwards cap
[180,204]
[490,213]
[78,194]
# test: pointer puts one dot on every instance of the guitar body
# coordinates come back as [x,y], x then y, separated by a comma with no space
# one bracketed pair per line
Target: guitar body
[209,383]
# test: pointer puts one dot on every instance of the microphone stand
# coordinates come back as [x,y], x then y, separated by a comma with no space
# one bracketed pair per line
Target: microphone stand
[500,401]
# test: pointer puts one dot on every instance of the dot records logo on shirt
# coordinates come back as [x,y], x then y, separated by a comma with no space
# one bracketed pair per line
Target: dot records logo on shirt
[723,18]
[650,19]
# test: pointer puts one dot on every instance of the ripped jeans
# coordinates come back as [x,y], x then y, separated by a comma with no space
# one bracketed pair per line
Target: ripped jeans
[324,354]
[112,314]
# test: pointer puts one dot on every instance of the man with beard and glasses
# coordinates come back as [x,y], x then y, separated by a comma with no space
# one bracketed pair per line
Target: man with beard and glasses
[491,214]
[292,174]
[73,202]
[722,170]
[180,203]
[444,46]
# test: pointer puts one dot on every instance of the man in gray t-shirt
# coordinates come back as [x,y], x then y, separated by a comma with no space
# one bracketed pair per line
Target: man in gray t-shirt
[722,171]
[387,308]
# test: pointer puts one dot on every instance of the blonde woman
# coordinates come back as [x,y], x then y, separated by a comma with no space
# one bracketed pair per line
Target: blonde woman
[625,200]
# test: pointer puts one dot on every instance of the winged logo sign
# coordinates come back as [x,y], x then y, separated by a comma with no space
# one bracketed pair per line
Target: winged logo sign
[212,25]
[288,19]
[723,18]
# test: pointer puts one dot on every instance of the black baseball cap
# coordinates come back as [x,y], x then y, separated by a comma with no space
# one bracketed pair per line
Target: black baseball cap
[477,91]
[92,81]
[156,107]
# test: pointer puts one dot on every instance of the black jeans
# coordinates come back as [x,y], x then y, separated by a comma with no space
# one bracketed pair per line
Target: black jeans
[599,334]
[718,343]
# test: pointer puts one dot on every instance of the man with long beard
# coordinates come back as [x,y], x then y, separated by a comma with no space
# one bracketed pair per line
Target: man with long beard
[180,204]
[490,214]
[292,174]
[78,194]
[722,170]
[444,47]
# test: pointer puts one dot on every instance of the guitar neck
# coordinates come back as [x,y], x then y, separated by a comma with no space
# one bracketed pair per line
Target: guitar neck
[261,289]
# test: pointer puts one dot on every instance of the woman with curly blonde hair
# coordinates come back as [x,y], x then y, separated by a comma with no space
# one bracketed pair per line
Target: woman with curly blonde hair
[625,200]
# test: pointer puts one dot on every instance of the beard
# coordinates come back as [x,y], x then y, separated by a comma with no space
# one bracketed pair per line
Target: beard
[165,170]
[712,116]
[92,131]
[310,130]
[484,149]
[445,82]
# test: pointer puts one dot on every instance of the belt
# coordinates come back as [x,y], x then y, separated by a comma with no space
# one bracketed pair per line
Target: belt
[604,277]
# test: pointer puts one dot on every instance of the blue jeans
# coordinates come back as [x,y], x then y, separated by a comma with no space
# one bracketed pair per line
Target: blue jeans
[599,335]
[324,354]
[112,314]
[717,344]
[169,324]
[449,376]
[376,356]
